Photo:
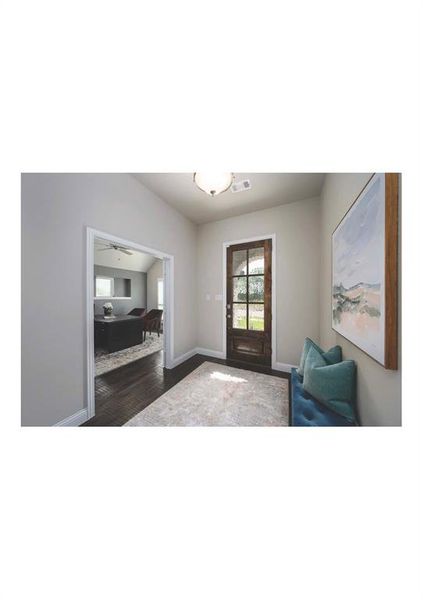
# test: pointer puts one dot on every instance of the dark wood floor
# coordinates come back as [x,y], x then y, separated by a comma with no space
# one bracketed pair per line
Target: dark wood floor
[124,392]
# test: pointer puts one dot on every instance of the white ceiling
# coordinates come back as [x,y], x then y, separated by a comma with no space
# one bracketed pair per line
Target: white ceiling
[138,261]
[268,190]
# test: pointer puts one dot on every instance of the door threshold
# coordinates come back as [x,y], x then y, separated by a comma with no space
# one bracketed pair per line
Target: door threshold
[242,364]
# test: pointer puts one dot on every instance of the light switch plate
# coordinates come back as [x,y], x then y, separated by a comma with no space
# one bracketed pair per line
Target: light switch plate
[207,296]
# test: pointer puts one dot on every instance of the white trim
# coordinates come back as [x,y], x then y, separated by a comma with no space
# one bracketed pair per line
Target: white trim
[213,353]
[278,366]
[168,320]
[269,236]
[74,420]
[285,367]
[134,245]
[168,312]
[90,294]
[180,359]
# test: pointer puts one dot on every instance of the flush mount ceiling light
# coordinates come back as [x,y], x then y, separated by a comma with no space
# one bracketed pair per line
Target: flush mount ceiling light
[213,183]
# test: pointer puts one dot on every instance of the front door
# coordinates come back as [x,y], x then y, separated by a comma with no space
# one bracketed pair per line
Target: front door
[249,302]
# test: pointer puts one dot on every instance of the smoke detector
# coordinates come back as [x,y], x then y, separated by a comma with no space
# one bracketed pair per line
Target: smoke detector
[241,186]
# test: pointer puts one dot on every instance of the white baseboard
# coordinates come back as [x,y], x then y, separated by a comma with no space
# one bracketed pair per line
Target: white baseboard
[285,367]
[180,359]
[213,353]
[278,366]
[74,420]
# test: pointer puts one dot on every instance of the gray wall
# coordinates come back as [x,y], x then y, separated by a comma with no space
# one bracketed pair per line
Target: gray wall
[297,227]
[56,209]
[379,390]
[138,290]
[154,273]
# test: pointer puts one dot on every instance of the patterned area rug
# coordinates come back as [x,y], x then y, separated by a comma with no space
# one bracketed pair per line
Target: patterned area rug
[217,395]
[107,362]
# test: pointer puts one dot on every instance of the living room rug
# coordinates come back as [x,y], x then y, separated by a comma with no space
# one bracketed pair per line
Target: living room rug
[105,362]
[218,395]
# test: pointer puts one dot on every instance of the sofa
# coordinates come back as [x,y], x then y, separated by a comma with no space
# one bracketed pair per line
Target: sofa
[305,411]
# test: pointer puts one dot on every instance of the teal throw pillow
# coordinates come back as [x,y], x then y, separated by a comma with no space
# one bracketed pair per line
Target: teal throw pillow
[332,356]
[332,385]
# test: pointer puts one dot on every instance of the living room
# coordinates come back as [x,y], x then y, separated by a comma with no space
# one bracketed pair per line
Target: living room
[128,305]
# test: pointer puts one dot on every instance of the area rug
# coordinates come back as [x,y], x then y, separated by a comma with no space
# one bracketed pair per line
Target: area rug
[107,362]
[218,395]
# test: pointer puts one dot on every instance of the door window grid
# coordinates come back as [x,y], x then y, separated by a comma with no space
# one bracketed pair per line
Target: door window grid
[249,269]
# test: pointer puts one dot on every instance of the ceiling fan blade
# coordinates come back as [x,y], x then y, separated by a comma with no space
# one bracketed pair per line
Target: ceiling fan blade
[103,249]
[125,251]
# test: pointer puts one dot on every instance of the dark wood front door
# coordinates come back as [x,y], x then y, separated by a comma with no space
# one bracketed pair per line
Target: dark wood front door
[249,302]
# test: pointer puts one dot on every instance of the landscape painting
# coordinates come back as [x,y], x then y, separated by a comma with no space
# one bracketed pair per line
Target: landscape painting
[358,271]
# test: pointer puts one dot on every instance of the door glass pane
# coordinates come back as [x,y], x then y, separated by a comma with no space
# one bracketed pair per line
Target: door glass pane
[239,262]
[240,289]
[256,288]
[256,261]
[256,317]
[239,318]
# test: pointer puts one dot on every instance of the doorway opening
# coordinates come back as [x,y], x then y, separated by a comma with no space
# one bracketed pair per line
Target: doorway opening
[129,308]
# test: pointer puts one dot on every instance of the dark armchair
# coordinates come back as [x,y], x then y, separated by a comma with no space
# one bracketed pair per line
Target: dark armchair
[153,321]
[138,312]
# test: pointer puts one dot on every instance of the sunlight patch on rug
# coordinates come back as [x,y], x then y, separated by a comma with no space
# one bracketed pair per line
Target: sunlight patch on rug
[225,377]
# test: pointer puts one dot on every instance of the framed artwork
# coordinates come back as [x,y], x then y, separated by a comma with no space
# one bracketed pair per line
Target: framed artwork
[365,271]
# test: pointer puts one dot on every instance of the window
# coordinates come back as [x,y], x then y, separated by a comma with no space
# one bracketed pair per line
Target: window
[160,294]
[104,287]
[248,289]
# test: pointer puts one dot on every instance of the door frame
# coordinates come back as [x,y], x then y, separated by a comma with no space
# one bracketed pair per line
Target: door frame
[168,309]
[257,238]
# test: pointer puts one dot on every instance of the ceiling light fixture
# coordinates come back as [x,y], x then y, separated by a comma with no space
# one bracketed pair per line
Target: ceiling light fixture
[213,183]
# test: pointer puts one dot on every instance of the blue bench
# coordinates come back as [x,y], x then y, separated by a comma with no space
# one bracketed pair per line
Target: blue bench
[308,412]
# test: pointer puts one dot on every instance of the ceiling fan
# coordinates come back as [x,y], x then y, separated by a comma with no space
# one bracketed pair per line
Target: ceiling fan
[116,247]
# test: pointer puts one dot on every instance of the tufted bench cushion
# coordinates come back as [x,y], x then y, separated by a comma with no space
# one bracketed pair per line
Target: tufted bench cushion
[308,412]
